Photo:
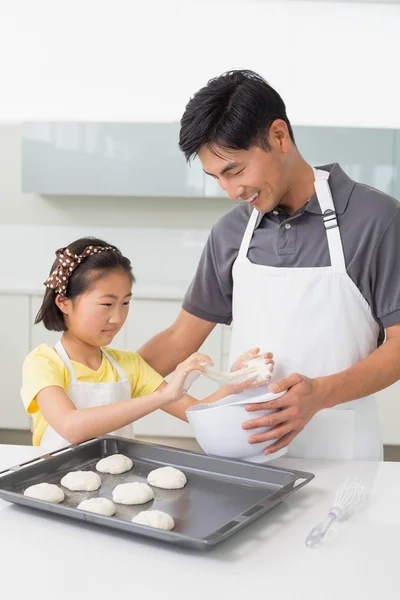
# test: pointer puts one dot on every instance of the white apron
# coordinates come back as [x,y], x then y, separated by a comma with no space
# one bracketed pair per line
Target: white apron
[88,395]
[316,322]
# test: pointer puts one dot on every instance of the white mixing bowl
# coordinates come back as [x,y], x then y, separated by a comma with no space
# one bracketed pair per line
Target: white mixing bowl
[218,426]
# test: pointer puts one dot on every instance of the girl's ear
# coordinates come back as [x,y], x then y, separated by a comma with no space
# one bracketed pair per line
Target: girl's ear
[64,304]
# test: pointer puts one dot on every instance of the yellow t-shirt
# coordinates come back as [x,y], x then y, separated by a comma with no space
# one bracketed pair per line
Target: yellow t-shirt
[43,367]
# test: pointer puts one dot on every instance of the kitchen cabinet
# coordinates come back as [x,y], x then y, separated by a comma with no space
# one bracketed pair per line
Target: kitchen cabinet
[13,350]
[389,414]
[396,187]
[226,335]
[144,160]
[366,155]
[107,159]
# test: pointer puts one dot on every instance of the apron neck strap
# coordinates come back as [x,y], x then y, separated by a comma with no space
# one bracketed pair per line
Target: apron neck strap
[66,360]
[324,197]
[116,366]
[248,234]
[59,348]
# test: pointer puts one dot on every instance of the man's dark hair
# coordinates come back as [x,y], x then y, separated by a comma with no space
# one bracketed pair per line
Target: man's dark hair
[233,111]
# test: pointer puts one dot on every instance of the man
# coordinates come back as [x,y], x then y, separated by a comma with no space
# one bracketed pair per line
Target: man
[307,266]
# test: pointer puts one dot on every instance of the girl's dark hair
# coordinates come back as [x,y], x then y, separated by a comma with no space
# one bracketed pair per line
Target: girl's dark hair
[92,268]
[233,111]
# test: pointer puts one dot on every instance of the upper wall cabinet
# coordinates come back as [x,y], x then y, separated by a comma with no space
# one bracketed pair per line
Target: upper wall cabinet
[366,155]
[144,160]
[396,191]
[110,159]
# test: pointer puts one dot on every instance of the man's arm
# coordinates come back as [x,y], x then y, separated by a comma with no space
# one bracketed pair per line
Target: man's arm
[172,346]
[307,396]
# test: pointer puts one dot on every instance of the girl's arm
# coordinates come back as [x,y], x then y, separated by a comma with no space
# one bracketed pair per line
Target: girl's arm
[78,425]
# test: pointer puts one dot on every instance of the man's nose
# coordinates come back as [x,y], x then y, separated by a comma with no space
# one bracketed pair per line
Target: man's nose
[234,191]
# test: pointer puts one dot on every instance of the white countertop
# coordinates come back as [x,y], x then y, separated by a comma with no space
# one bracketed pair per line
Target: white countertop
[267,560]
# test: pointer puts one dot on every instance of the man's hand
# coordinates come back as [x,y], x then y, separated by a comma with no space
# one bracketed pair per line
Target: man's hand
[304,398]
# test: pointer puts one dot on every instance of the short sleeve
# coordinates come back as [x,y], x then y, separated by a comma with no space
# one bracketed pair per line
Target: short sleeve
[209,296]
[385,273]
[40,370]
[144,379]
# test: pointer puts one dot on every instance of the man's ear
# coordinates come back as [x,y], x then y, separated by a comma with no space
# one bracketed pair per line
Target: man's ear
[64,304]
[279,136]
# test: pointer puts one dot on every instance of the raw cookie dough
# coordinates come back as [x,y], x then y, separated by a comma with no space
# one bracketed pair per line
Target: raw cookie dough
[167,478]
[45,491]
[155,518]
[114,464]
[254,369]
[81,481]
[100,506]
[133,493]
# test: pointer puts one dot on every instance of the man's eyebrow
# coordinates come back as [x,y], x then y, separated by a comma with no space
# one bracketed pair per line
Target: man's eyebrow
[227,168]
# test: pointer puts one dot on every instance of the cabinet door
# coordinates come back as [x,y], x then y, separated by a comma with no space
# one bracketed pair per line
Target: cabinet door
[114,159]
[40,335]
[389,413]
[396,185]
[226,346]
[366,155]
[146,319]
[13,350]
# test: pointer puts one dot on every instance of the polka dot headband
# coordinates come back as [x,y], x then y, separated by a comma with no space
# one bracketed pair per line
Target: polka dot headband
[68,262]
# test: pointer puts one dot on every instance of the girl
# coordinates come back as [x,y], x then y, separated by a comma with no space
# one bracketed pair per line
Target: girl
[82,389]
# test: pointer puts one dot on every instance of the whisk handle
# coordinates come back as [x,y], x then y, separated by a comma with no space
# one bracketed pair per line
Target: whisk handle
[318,533]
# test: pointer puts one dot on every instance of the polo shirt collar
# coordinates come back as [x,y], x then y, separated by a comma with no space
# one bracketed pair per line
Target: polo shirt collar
[341,187]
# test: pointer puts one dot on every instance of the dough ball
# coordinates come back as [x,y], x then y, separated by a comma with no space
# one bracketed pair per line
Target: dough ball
[45,491]
[155,518]
[81,481]
[133,493]
[100,506]
[167,478]
[114,464]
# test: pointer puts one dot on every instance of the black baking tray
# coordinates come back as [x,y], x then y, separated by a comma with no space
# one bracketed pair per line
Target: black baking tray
[221,496]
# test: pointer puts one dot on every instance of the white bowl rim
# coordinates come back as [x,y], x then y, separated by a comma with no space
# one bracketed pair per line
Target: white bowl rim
[219,404]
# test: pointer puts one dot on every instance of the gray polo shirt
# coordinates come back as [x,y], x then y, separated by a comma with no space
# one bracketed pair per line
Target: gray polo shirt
[369,222]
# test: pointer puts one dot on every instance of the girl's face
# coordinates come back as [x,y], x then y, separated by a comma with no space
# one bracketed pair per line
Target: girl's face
[97,316]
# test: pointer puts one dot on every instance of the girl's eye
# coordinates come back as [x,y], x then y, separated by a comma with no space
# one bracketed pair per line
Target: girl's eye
[238,173]
[127,303]
[106,304]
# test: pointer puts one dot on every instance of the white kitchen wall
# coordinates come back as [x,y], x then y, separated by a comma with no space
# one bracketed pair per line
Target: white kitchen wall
[335,63]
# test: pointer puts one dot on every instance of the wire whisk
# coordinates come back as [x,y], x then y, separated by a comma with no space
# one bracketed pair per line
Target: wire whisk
[349,496]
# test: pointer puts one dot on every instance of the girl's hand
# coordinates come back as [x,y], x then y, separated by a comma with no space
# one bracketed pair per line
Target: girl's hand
[240,363]
[179,383]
